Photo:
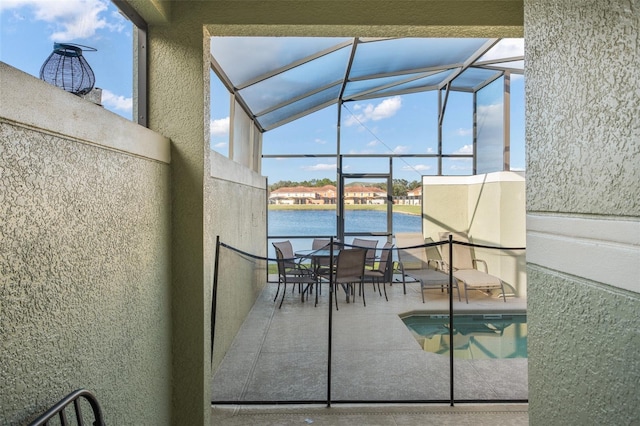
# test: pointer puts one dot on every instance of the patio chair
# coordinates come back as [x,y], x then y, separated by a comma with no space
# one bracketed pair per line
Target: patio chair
[322,265]
[350,271]
[383,271]
[287,251]
[370,245]
[414,263]
[465,267]
[291,272]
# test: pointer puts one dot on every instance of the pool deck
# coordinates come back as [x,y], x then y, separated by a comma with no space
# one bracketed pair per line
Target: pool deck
[282,354]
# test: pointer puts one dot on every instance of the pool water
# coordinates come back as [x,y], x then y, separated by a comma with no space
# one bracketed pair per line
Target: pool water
[475,336]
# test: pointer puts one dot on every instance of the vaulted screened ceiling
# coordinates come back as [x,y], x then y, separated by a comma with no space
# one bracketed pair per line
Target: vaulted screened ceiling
[277,80]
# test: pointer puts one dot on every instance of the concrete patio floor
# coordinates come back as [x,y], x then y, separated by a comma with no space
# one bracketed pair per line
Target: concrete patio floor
[282,355]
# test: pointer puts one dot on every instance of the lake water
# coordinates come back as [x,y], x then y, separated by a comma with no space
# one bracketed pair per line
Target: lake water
[305,223]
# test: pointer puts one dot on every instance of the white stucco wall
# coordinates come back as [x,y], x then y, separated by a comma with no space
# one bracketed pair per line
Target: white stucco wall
[490,209]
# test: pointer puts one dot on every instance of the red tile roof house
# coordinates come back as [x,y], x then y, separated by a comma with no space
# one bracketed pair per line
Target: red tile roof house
[303,195]
[364,195]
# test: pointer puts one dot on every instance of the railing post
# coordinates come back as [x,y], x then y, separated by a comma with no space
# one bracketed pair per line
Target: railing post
[330,331]
[214,293]
[451,345]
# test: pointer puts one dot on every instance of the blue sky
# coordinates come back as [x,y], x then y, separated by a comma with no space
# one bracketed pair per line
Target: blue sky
[28,29]
[400,124]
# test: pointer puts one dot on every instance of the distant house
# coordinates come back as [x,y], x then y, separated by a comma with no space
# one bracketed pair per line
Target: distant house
[413,197]
[303,195]
[327,195]
[364,195]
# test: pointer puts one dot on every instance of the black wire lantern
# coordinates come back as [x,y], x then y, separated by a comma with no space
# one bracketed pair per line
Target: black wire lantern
[67,69]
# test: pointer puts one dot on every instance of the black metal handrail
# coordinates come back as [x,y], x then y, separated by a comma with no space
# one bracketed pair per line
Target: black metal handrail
[59,410]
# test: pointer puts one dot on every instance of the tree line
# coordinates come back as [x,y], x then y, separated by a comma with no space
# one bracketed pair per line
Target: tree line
[400,186]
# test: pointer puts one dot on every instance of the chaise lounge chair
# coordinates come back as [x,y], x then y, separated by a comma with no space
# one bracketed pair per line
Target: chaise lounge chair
[413,263]
[465,267]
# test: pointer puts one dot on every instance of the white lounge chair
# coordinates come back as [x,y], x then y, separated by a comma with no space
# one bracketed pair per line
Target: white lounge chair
[413,263]
[465,267]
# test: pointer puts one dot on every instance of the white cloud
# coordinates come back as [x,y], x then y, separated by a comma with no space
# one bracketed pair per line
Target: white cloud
[369,112]
[506,48]
[463,132]
[462,166]
[70,19]
[373,143]
[467,149]
[401,149]
[417,167]
[219,127]
[490,118]
[320,167]
[320,141]
[220,145]
[117,102]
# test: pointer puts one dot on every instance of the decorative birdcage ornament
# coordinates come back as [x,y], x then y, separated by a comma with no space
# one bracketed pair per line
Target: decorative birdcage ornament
[67,69]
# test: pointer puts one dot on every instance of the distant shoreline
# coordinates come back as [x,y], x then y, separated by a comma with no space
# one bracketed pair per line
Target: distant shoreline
[400,208]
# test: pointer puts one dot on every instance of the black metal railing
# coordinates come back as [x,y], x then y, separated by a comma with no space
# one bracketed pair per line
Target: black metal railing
[443,245]
[74,398]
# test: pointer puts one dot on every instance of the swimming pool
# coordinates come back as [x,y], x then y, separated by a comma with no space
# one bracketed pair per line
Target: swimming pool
[476,336]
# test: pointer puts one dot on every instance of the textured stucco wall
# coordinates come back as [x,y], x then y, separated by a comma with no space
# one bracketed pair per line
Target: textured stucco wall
[583,207]
[583,352]
[177,110]
[84,278]
[583,86]
[235,210]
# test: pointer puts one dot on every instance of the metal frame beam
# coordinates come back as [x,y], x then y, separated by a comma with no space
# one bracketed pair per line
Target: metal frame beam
[142,78]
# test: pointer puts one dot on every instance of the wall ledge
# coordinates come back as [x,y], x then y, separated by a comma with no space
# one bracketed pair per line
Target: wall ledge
[605,250]
[474,179]
[32,103]
[226,169]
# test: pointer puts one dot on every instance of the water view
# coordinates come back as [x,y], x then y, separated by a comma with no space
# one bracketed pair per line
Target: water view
[305,223]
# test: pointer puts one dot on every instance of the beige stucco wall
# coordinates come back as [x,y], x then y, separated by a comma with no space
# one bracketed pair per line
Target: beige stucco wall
[235,206]
[583,215]
[490,209]
[84,257]
[177,93]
